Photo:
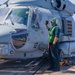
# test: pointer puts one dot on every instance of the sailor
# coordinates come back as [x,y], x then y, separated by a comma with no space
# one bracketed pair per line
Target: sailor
[53,38]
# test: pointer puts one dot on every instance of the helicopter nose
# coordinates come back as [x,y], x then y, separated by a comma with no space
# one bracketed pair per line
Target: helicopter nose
[5,33]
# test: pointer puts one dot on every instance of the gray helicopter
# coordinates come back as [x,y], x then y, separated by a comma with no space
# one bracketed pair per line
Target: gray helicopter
[23,33]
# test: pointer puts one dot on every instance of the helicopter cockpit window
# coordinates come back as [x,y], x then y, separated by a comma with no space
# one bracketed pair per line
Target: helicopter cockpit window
[36,18]
[19,15]
[3,13]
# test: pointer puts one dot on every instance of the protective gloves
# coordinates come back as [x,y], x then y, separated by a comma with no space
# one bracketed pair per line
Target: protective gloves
[46,23]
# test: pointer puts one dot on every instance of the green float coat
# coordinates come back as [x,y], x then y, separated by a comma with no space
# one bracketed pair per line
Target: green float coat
[51,33]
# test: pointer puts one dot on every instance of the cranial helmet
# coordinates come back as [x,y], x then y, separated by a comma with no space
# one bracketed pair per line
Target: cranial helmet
[53,19]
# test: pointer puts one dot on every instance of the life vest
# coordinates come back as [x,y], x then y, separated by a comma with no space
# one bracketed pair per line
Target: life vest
[51,35]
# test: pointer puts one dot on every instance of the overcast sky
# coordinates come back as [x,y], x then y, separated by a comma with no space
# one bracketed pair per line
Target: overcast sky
[2,1]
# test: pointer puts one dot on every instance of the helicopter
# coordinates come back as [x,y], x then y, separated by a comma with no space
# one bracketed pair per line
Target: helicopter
[23,33]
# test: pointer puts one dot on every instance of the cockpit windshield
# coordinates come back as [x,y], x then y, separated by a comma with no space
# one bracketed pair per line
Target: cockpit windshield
[19,15]
[3,13]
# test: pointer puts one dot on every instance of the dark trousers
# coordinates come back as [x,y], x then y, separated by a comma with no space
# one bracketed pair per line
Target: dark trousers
[54,57]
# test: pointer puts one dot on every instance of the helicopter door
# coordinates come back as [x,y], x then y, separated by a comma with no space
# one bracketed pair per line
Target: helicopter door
[36,26]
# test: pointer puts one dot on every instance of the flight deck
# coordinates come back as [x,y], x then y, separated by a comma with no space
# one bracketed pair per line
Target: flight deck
[37,66]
